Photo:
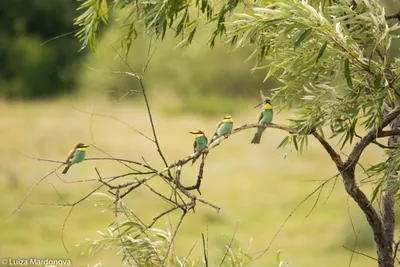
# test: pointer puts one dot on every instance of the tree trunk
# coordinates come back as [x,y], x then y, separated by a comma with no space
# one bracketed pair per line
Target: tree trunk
[388,201]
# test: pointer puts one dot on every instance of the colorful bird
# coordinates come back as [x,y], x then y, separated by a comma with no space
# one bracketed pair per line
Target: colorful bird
[200,142]
[224,127]
[265,118]
[76,155]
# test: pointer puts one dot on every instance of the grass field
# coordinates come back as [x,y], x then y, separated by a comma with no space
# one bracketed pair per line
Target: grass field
[257,187]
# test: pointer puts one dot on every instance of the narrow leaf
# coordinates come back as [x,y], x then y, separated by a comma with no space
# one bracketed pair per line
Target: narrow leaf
[377,81]
[321,51]
[302,37]
[295,143]
[375,192]
[284,142]
[347,73]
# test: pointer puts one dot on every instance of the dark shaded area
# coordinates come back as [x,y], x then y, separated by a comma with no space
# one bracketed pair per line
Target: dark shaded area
[28,68]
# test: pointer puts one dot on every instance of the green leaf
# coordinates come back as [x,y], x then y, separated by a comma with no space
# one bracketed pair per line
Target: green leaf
[377,81]
[321,51]
[302,37]
[347,73]
[284,142]
[375,192]
[295,143]
[278,257]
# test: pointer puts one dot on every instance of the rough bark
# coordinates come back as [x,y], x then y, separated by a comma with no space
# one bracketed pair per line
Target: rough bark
[382,226]
[388,201]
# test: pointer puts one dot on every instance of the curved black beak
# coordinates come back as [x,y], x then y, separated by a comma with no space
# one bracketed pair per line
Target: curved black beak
[259,104]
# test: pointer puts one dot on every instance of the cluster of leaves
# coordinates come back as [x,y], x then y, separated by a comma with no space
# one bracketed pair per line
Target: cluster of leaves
[382,171]
[154,18]
[332,60]
[139,246]
[134,245]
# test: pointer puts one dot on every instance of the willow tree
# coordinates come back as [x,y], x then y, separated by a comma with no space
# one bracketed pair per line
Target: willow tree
[332,59]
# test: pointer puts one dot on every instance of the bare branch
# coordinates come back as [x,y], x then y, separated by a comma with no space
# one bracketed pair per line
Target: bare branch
[230,245]
[290,215]
[30,191]
[334,155]
[368,138]
[205,248]
[359,253]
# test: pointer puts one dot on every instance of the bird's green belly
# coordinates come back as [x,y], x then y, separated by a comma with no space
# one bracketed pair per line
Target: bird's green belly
[79,156]
[201,143]
[225,128]
[267,116]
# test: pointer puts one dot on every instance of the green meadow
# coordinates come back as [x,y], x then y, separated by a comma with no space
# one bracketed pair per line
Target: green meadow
[256,186]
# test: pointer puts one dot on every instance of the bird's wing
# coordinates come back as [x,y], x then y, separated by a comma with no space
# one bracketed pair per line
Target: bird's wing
[218,126]
[70,155]
[260,118]
[194,145]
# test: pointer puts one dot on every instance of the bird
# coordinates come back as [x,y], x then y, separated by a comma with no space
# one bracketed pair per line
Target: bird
[265,118]
[199,143]
[224,128]
[76,155]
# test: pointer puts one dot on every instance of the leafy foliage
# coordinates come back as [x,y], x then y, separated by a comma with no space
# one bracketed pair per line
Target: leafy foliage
[135,246]
[154,18]
[331,60]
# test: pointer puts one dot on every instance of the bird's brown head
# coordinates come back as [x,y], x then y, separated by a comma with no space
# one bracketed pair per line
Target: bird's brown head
[80,145]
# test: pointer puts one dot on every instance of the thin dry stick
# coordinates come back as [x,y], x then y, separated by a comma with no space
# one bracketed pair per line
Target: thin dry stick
[173,236]
[230,245]
[58,193]
[362,254]
[205,246]
[188,255]
[315,204]
[124,247]
[30,191]
[290,215]
[63,228]
[114,118]
[134,74]
[354,231]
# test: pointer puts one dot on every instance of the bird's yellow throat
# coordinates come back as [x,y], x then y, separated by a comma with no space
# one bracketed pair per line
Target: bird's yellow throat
[227,120]
[83,149]
[197,135]
[267,106]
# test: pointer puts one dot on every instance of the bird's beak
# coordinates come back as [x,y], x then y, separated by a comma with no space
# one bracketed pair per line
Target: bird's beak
[86,146]
[259,104]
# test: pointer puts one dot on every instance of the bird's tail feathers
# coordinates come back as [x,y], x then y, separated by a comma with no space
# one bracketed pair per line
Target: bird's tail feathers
[66,169]
[256,139]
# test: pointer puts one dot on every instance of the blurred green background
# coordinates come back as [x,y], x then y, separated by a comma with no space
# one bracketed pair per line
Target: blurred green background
[47,92]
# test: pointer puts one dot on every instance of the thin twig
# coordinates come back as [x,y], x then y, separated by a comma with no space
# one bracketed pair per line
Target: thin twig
[63,228]
[173,236]
[230,245]
[290,215]
[360,253]
[30,191]
[205,245]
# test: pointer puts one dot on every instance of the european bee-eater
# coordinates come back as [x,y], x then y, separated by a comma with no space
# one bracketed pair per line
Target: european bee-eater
[223,128]
[199,143]
[265,118]
[76,155]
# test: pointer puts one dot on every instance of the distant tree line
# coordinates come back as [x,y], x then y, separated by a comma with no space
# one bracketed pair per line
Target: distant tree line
[31,64]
